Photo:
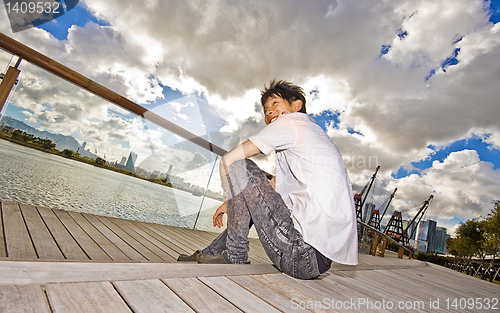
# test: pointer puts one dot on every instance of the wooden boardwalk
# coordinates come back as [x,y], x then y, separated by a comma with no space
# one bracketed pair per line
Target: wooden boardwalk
[58,261]
[37,233]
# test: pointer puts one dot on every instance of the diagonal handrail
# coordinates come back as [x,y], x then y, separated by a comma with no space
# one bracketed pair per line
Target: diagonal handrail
[15,47]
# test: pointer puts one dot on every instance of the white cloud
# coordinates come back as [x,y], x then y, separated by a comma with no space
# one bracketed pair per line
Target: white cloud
[463,186]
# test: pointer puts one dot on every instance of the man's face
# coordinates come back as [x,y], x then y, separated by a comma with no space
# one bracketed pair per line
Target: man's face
[275,105]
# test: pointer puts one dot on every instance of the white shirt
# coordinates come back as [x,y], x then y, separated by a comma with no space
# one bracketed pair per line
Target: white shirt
[312,180]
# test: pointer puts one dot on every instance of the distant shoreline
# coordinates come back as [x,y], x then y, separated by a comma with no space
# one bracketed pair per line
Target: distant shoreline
[59,153]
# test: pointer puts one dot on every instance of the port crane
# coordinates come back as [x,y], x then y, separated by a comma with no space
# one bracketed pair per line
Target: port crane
[359,200]
[394,228]
[376,218]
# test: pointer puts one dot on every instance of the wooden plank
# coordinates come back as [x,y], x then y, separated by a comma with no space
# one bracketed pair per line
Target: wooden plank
[3,251]
[181,245]
[85,297]
[93,251]
[158,240]
[291,292]
[45,245]
[14,272]
[23,299]
[129,251]
[153,245]
[445,285]
[110,248]
[146,296]
[409,291]
[198,296]
[17,238]
[237,295]
[65,241]
[366,290]
[150,256]
[267,294]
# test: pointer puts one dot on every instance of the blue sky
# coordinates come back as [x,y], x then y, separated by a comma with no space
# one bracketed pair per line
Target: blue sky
[485,151]
[78,16]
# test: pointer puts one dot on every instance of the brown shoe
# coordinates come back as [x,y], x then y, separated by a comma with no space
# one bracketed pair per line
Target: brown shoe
[189,258]
[220,259]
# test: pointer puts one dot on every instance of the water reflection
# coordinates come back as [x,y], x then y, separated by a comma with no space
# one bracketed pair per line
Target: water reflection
[34,177]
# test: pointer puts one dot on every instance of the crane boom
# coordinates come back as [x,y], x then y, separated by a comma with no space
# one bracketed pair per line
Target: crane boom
[358,198]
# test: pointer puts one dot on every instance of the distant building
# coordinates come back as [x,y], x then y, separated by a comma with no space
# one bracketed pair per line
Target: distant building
[440,239]
[123,161]
[427,236]
[169,172]
[155,175]
[130,166]
[412,230]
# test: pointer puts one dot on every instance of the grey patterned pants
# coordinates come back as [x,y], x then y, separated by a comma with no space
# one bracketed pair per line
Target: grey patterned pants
[252,200]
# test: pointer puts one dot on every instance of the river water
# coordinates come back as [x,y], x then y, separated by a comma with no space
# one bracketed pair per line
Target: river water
[34,177]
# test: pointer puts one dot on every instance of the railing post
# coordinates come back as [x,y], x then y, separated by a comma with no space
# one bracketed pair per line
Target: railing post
[374,245]
[401,252]
[381,248]
[7,83]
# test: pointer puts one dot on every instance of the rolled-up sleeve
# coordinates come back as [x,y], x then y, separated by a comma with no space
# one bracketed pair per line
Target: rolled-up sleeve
[276,136]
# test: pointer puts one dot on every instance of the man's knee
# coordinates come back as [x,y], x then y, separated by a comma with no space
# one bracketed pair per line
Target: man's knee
[240,173]
[242,166]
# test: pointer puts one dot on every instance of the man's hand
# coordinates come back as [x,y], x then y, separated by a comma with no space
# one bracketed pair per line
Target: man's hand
[219,214]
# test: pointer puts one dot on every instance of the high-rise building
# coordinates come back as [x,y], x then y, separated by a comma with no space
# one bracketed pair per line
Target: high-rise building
[168,174]
[411,231]
[427,236]
[440,239]
[130,166]
[123,161]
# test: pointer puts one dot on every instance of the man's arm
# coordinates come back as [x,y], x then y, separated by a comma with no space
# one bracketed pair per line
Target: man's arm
[245,150]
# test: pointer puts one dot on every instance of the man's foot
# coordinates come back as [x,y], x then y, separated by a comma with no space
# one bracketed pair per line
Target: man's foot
[220,259]
[190,258]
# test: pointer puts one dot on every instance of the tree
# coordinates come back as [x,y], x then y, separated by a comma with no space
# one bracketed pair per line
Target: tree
[70,153]
[100,161]
[470,240]
[492,231]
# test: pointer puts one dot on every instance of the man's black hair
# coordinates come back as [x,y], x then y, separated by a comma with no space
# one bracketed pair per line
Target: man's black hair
[285,90]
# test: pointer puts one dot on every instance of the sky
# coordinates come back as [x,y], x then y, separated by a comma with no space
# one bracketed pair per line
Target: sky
[409,85]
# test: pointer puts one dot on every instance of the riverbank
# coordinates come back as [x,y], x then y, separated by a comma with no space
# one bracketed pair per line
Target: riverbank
[80,159]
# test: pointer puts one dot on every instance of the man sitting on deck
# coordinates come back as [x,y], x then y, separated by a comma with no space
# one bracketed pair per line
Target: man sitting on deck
[305,215]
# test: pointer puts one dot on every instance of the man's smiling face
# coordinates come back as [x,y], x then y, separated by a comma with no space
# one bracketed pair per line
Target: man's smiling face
[275,105]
